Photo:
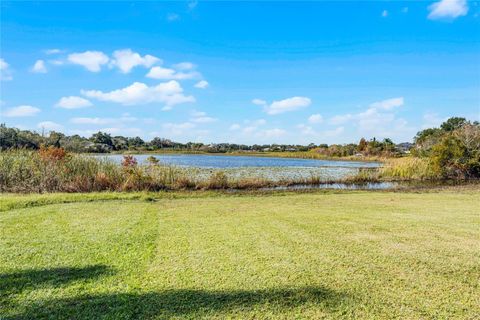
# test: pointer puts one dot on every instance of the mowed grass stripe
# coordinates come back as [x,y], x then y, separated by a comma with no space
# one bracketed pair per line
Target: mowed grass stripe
[346,255]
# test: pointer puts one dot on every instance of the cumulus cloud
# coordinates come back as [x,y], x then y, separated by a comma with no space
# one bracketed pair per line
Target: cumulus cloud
[286,105]
[235,126]
[315,118]
[39,67]
[388,104]
[169,93]
[184,66]
[73,102]
[162,73]
[201,117]
[103,121]
[126,60]
[50,126]
[5,72]
[379,119]
[91,60]
[448,9]
[203,84]
[21,111]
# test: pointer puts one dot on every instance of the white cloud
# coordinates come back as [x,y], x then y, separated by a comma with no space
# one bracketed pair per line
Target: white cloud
[448,9]
[388,104]
[57,62]
[161,73]
[235,126]
[379,120]
[73,102]
[315,118]
[21,111]
[50,126]
[384,13]
[259,102]
[39,67]
[184,66]
[203,84]
[201,117]
[169,74]
[126,60]
[196,113]
[5,72]
[286,105]
[91,60]
[102,121]
[169,93]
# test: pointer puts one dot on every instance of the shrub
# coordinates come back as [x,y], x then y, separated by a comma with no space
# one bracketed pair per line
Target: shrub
[457,155]
[52,153]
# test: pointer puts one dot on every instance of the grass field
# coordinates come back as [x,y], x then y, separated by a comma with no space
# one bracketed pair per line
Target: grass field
[332,255]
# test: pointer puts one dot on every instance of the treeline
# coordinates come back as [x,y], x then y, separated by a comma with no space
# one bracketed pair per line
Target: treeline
[457,138]
[101,142]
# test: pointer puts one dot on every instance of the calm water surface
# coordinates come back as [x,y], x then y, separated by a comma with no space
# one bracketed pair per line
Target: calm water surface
[219,161]
[270,168]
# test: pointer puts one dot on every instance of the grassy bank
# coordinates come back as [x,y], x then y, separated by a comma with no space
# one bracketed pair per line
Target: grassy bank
[337,255]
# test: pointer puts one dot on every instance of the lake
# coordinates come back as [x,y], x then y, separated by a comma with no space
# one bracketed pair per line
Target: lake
[271,168]
[222,161]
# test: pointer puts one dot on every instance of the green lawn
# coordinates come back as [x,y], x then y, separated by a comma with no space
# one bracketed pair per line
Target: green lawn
[315,255]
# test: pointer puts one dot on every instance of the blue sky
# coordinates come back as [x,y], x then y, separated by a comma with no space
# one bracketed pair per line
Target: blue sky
[244,72]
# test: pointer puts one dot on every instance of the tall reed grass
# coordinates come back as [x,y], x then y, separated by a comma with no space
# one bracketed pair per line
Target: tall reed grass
[51,170]
[408,168]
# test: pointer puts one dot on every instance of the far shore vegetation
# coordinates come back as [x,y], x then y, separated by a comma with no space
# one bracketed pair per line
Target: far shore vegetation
[31,162]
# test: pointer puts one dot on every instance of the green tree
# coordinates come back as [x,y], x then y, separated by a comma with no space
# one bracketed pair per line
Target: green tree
[103,138]
[453,124]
